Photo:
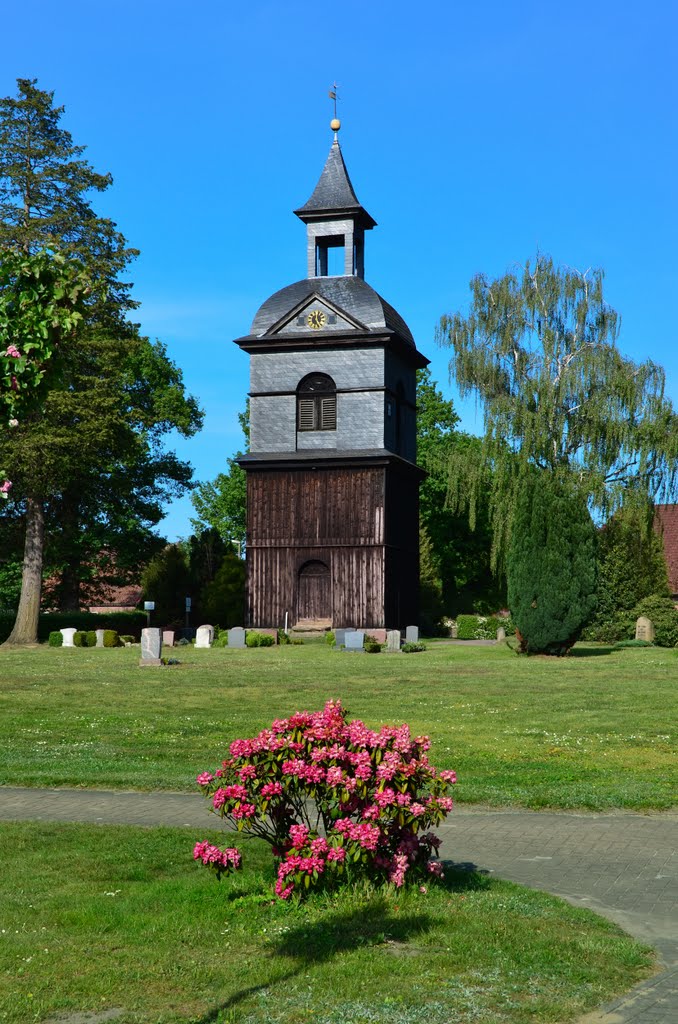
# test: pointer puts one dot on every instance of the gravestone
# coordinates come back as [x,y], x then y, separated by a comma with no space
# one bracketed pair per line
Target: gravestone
[168,638]
[501,635]
[204,636]
[151,646]
[354,640]
[393,641]
[236,637]
[68,633]
[412,635]
[100,637]
[378,634]
[340,635]
[644,629]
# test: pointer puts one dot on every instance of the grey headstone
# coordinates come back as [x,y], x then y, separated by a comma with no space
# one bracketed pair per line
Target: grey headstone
[68,633]
[168,638]
[412,635]
[151,646]
[204,636]
[100,637]
[236,637]
[393,641]
[354,640]
[501,635]
[644,629]
[339,637]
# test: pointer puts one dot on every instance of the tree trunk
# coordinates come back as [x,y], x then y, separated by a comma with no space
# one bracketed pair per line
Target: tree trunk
[25,629]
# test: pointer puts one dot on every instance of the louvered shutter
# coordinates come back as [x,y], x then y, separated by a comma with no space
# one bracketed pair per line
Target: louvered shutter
[307,414]
[328,413]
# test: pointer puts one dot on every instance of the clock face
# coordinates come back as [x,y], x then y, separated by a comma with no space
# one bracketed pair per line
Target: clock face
[316,319]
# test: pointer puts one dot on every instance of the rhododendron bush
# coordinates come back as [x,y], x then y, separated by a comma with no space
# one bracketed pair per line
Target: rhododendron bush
[334,799]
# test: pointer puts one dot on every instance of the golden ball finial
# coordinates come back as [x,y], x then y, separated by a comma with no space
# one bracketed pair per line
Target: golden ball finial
[335,124]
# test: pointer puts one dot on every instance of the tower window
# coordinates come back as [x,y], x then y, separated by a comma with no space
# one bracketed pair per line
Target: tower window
[317,403]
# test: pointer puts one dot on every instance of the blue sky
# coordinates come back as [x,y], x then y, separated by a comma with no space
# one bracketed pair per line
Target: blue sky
[474,135]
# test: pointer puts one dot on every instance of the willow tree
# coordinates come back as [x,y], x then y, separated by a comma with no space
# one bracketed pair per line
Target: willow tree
[538,349]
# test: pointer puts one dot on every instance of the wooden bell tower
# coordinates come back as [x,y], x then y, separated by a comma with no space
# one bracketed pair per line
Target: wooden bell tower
[332,481]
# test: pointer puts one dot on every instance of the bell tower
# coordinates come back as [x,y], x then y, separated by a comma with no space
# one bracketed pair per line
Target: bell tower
[332,481]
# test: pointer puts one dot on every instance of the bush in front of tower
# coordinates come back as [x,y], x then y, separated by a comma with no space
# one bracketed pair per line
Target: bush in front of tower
[336,801]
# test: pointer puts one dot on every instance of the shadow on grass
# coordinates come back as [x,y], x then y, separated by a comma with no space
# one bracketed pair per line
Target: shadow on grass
[336,932]
[590,652]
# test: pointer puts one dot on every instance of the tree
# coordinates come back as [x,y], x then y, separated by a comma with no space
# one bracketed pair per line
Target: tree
[551,564]
[166,580]
[222,601]
[455,571]
[221,504]
[632,565]
[538,348]
[101,460]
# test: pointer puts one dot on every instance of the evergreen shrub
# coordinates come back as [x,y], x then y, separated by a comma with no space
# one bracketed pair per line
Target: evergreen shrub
[283,637]
[664,616]
[126,638]
[220,640]
[371,646]
[111,638]
[254,639]
[551,565]
[413,647]
[90,638]
[330,638]
[80,638]
[55,639]
[476,627]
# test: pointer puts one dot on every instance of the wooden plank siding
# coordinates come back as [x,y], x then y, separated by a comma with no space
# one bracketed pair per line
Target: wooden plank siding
[362,523]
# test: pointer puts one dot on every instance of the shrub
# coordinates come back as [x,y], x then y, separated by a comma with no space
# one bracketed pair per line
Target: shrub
[219,641]
[413,647]
[551,564]
[664,618]
[476,627]
[283,637]
[371,646]
[632,643]
[619,628]
[330,638]
[55,639]
[184,642]
[254,639]
[90,638]
[335,801]
[80,638]
[111,638]
[297,641]
[126,638]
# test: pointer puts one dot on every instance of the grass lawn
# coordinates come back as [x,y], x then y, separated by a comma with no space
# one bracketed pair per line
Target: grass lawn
[595,730]
[101,917]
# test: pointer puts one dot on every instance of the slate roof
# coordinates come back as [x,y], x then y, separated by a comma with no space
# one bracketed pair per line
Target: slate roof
[334,192]
[351,294]
[666,524]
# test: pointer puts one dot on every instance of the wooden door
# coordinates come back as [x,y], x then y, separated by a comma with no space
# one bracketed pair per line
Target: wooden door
[314,593]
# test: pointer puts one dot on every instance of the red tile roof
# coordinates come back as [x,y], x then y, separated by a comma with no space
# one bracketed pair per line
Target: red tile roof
[666,524]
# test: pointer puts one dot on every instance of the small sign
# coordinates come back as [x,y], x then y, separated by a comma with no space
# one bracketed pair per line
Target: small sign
[149,606]
[188,604]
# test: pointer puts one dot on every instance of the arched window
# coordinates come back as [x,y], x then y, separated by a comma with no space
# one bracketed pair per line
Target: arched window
[317,403]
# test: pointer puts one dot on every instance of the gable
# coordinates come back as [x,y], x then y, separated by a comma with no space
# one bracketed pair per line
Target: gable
[317,310]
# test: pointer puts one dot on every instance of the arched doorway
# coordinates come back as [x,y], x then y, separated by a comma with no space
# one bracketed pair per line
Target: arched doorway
[314,594]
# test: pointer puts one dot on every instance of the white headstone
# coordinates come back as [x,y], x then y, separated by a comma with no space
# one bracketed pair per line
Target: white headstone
[501,635]
[68,633]
[354,640]
[393,641]
[236,637]
[644,629]
[168,638]
[412,635]
[204,636]
[151,646]
[100,637]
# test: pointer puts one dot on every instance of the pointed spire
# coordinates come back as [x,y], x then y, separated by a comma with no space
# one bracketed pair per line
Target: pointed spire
[334,194]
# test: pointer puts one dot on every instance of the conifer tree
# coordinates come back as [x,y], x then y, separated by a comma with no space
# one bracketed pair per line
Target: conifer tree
[551,564]
[94,452]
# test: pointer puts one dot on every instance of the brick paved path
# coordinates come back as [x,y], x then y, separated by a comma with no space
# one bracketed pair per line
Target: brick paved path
[624,866]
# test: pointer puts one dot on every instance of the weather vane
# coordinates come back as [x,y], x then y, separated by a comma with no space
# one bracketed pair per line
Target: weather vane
[335,123]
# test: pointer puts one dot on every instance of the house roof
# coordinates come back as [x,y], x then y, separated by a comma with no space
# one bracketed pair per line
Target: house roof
[666,524]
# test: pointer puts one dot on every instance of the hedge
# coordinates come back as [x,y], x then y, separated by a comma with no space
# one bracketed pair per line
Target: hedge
[130,623]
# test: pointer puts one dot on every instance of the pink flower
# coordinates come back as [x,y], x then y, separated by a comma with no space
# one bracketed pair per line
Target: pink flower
[335,776]
[446,803]
[13,352]
[434,867]
[248,771]
[14,422]
[235,792]
[417,810]
[204,779]
[244,811]
[337,853]
[270,789]
[219,799]
[298,835]
[449,776]
[6,487]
